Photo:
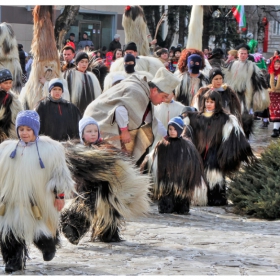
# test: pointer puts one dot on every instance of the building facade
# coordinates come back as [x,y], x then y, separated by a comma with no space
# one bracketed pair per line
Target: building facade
[101,23]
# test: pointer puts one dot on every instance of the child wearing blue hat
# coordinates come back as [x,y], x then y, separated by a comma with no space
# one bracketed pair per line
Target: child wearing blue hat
[33,181]
[177,171]
[9,106]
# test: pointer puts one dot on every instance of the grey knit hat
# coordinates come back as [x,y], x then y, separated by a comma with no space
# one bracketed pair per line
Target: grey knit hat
[83,123]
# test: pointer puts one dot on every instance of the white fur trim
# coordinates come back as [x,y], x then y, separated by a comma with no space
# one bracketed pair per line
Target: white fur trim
[200,195]
[231,124]
[214,177]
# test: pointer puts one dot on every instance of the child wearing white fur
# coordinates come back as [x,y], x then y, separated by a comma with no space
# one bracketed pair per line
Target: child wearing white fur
[33,180]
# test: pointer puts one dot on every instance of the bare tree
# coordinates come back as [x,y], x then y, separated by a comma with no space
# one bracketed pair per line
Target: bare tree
[63,24]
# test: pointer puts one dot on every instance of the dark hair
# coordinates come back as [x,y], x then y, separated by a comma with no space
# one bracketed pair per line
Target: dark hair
[68,48]
[152,85]
[215,96]
[277,51]
[115,51]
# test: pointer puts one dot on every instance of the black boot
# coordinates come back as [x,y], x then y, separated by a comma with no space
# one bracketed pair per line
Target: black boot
[217,196]
[14,253]
[110,236]
[166,204]
[275,133]
[182,205]
[47,245]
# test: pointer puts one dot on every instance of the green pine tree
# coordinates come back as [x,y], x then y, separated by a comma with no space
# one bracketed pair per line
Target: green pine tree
[255,190]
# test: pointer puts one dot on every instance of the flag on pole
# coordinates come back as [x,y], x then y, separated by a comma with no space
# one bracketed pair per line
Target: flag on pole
[239,14]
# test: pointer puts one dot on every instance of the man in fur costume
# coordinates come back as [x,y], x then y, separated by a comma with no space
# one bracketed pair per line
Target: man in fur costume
[9,56]
[46,64]
[83,85]
[177,171]
[129,69]
[143,63]
[10,105]
[247,80]
[33,181]
[230,99]
[221,142]
[190,64]
[110,188]
[59,118]
[122,110]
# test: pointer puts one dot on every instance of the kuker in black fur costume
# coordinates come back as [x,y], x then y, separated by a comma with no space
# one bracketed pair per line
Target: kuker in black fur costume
[221,142]
[9,56]
[110,189]
[177,171]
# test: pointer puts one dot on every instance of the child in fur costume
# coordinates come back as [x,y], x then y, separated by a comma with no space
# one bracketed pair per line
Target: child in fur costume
[110,188]
[59,118]
[221,142]
[83,85]
[10,105]
[177,171]
[33,180]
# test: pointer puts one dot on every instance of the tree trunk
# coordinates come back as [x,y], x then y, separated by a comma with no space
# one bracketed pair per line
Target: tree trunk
[149,15]
[172,25]
[63,23]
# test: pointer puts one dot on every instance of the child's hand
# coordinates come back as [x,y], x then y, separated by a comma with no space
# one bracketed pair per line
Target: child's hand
[59,204]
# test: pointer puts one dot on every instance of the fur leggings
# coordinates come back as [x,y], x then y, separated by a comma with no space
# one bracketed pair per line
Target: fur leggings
[82,214]
[15,251]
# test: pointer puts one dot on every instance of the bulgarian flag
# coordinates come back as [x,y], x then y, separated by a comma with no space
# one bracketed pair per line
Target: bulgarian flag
[239,14]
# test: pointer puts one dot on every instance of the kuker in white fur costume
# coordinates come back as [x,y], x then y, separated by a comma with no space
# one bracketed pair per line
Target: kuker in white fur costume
[46,62]
[9,58]
[135,28]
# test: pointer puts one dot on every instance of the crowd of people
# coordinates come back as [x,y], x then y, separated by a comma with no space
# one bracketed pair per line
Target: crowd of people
[117,131]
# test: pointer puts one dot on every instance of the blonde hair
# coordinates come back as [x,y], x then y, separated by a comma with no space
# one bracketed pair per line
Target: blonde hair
[233,52]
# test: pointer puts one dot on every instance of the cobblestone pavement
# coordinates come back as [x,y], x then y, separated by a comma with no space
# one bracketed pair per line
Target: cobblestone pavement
[209,241]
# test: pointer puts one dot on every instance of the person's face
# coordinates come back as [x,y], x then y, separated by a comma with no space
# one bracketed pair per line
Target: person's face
[7,85]
[85,36]
[230,57]
[243,55]
[156,97]
[164,56]
[275,53]
[83,65]
[177,54]
[169,98]
[171,53]
[118,54]
[56,93]
[117,39]
[90,133]
[206,51]
[129,63]
[72,38]
[217,81]
[210,104]
[131,52]
[68,55]
[172,131]
[276,65]
[26,134]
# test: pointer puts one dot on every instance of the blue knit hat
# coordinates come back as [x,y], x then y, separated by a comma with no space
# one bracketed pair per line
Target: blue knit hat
[83,123]
[5,75]
[31,119]
[178,124]
[55,83]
